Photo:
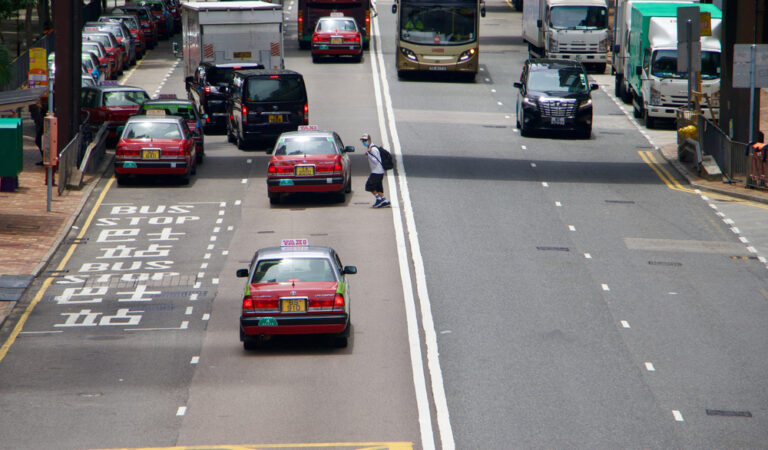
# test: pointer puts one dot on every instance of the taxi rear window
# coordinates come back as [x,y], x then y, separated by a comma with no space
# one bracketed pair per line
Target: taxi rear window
[125,98]
[336,24]
[183,111]
[152,130]
[287,269]
[305,146]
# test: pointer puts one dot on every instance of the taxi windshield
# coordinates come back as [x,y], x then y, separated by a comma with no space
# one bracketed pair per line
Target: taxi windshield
[183,111]
[287,269]
[305,146]
[152,130]
[125,98]
[102,38]
[336,24]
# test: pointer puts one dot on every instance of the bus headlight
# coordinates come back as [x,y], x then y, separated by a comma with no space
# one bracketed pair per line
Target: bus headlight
[408,54]
[467,54]
[586,104]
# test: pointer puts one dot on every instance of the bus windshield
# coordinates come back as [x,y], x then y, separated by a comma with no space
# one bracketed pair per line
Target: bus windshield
[445,24]
[578,17]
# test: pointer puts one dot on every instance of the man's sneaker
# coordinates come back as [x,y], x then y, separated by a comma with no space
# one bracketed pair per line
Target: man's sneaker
[378,202]
[383,204]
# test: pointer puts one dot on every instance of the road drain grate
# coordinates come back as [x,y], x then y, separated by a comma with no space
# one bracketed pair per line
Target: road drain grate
[318,234]
[720,412]
[264,232]
[743,257]
[622,202]
[557,249]
[494,126]
[665,263]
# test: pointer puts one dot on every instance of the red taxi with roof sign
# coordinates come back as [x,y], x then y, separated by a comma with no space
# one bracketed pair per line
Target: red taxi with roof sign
[309,160]
[155,144]
[172,106]
[112,103]
[295,289]
[337,35]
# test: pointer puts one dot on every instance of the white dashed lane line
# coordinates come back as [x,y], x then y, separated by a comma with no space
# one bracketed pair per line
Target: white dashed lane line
[194,360]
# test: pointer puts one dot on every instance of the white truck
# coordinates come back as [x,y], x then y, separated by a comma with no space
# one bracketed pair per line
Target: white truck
[622,15]
[232,32]
[658,90]
[568,29]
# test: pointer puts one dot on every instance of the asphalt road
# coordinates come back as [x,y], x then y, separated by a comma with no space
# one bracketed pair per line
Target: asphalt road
[521,292]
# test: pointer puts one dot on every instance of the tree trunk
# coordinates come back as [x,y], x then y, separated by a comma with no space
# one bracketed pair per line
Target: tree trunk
[28,32]
[2,39]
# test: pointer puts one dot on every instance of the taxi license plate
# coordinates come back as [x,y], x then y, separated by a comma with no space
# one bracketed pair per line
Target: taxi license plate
[336,40]
[150,154]
[293,305]
[275,118]
[305,171]
[438,68]
[558,121]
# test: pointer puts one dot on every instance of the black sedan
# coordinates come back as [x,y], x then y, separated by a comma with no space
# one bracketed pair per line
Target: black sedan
[554,95]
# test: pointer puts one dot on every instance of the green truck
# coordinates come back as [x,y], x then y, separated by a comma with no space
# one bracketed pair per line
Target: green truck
[658,90]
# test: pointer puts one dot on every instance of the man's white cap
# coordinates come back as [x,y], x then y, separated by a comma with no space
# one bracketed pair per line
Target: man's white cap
[365,137]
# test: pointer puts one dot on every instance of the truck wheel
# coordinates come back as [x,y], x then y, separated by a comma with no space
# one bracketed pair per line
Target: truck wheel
[599,68]
[617,85]
[636,111]
[240,143]
[518,5]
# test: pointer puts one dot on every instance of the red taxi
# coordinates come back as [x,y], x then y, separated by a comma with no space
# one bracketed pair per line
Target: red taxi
[112,104]
[106,64]
[134,27]
[172,106]
[115,51]
[295,289]
[155,145]
[337,36]
[309,161]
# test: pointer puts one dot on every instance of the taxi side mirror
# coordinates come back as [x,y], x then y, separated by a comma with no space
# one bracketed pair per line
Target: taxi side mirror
[120,130]
[394,8]
[594,87]
[349,149]
[517,84]
[350,270]
[242,273]
[189,79]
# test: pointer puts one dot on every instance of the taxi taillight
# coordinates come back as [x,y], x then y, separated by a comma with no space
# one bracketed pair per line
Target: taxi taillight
[338,301]
[301,24]
[207,89]
[306,113]
[282,169]
[355,38]
[337,167]
[251,305]
[319,38]
[244,111]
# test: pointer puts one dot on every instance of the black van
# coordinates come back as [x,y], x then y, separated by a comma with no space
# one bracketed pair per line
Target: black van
[264,103]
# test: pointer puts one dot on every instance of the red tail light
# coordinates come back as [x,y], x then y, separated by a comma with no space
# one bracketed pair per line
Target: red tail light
[273,169]
[208,120]
[244,111]
[337,167]
[306,113]
[251,305]
[207,89]
[338,301]
[301,24]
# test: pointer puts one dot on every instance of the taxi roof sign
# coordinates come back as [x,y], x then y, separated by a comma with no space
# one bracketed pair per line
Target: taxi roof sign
[167,96]
[337,14]
[155,112]
[294,243]
[308,128]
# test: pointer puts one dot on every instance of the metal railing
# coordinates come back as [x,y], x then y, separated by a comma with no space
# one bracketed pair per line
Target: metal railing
[731,156]
[68,163]
[20,66]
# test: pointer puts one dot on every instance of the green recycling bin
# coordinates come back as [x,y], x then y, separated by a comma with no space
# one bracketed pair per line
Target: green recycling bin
[11,153]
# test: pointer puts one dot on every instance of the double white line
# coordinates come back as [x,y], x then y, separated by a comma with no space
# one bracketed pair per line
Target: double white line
[384,108]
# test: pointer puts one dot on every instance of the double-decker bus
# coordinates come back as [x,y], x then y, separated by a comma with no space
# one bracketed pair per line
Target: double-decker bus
[311,10]
[438,35]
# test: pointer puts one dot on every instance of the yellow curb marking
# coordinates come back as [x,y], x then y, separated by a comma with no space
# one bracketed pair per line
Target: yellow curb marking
[25,316]
[354,445]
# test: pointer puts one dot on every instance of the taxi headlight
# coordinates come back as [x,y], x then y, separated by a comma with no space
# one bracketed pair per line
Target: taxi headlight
[586,104]
[655,96]
[529,101]
[467,54]
[408,54]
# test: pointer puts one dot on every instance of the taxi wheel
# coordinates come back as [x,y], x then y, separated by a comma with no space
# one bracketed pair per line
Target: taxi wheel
[200,156]
[315,59]
[274,198]
[348,186]
[358,58]
[121,179]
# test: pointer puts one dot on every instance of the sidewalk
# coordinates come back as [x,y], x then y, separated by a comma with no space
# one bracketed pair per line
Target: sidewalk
[29,234]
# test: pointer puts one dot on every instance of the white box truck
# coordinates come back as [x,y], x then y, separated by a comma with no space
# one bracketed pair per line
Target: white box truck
[232,32]
[620,49]
[568,29]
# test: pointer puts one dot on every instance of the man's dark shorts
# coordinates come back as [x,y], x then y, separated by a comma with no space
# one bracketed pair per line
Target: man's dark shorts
[374,182]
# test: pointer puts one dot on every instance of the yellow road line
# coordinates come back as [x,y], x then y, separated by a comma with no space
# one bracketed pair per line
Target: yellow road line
[672,183]
[354,445]
[25,316]
[509,2]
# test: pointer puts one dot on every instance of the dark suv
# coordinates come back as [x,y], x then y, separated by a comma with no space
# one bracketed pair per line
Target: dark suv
[554,95]
[265,103]
[207,88]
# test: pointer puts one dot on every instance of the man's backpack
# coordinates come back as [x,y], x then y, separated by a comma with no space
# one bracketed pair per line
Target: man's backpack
[387,162]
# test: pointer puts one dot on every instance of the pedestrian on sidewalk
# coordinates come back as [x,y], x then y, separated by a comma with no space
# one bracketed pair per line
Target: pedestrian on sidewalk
[36,111]
[375,184]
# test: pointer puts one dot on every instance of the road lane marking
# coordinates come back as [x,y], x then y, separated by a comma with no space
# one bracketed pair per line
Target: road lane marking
[587,256]
[571,227]
[181,411]
[649,367]
[383,100]
[194,360]
[47,282]
[605,287]
[625,324]
[293,446]
[678,416]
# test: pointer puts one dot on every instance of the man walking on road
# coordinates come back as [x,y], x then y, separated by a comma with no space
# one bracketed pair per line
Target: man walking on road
[374,185]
